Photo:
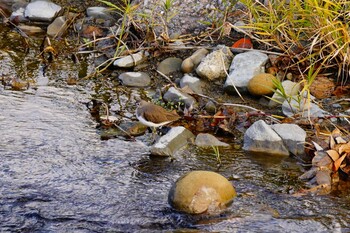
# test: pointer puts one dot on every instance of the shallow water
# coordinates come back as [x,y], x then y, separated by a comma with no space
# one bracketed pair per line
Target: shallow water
[57,175]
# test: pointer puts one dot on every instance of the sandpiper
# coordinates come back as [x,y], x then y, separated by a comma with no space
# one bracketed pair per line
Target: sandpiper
[153,115]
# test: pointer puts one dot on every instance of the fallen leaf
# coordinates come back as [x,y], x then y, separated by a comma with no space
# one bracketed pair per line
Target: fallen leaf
[243,43]
[344,148]
[333,154]
[337,163]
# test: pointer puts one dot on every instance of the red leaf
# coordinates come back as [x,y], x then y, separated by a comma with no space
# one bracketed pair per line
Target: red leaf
[243,43]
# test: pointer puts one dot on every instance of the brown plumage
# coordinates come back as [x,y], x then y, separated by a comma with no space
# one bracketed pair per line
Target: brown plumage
[153,115]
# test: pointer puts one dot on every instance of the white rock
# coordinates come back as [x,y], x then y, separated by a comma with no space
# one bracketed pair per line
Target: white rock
[174,140]
[42,11]
[293,137]
[192,82]
[290,89]
[303,107]
[260,137]
[131,60]
[243,68]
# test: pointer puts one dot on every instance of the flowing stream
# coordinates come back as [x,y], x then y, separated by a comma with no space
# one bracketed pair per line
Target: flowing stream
[57,175]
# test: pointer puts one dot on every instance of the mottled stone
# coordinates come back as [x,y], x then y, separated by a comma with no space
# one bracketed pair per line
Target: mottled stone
[215,64]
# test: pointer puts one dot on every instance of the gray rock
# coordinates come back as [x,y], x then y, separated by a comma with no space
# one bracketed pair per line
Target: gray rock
[243,68]
[135,79]
[192,82]
[215,64]
[259,137]
[169,65]
[19,15]
[98,12]
[208,140]
[290,89]
[131,60]
[302,107]
[176,96]
[44,11]
[174,140]
[57,27]
[293,137]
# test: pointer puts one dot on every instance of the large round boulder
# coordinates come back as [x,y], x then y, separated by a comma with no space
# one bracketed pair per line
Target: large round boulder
[201,192]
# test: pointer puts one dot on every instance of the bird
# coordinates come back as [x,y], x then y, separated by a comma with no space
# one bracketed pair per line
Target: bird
[153,115]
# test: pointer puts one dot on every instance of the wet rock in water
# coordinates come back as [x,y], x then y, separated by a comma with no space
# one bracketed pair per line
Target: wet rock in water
[169,65]
[304,108]
[137,129]
[215,64]
[191,63]
[171,142]
[262,84]
[98,12]
[192,82]
[290,89]
[44,11]
[201,192]
[135,79]
[208,140]
[293,137]
[260,137]
[243,68]
[131,60]
[175,96]
[57,27]
[210,107]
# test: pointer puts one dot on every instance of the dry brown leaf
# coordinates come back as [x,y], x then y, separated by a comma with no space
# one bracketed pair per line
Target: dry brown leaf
[337,163]
[333,154]
[344,148]
[332,142]
[336,133]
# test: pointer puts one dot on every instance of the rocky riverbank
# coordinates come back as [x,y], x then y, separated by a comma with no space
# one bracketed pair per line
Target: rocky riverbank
[195,75]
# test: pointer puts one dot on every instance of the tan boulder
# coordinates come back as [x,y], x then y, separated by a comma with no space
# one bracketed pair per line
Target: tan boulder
[261,84]
[201,192]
